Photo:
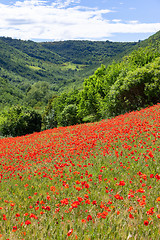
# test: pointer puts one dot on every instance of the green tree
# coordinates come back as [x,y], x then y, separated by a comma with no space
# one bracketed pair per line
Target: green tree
[91,96]
[38,93]
[138,89]
[60,109]
[69,115]
[20,121]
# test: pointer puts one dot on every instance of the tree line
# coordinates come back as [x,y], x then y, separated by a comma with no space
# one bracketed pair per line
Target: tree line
[129,85]
[120,87]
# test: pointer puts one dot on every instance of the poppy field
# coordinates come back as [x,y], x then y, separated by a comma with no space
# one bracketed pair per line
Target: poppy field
[89,181]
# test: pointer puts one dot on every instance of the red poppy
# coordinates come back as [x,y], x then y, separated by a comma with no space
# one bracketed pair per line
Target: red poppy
[89,217]
[131,216]
[146,222]
[69,232]
[14,229]
[27,222]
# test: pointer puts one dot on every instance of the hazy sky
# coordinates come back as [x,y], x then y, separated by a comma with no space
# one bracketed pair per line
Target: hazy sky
[45,20]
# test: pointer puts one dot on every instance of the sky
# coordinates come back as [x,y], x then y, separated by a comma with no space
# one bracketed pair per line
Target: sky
[100,20]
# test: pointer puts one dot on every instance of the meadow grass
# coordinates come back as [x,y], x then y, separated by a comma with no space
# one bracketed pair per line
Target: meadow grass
[90,181]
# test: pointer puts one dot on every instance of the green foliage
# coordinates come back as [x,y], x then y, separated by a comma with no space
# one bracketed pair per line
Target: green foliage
[142,56]
[138,89]
[133,83]
[9,94]
[89,52]
[33,50]
[48,117]
[118,88]
[20,121]
[62,110]
[69,115]
[91,96]
[63,65]
[38,93]
[48,120]
[31,73]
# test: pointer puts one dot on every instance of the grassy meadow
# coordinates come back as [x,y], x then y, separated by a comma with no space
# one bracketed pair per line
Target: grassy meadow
[90,181]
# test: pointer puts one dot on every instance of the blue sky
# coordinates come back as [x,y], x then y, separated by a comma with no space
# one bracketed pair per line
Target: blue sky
[46,20]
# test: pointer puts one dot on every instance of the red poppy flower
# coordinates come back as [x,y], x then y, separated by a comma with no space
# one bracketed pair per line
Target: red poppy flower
[14,229]
[69,232]
[27,222]
[146,223]
[89,217]
[131,216]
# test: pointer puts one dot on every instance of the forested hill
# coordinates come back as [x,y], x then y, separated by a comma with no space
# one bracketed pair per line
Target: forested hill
[62,66]
[153,40]
[89,52]
[43,82]
[54,67]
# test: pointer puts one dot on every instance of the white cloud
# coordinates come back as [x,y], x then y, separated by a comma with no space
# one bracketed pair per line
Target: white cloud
[133,22]
[116,20]
[62,20]
[66,3]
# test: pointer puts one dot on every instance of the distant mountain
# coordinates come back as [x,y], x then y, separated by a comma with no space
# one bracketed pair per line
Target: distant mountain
[63,65]
[89,52]
[33,49]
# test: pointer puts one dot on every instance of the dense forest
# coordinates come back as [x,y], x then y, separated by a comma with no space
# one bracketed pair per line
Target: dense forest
[61,65]
[73,82]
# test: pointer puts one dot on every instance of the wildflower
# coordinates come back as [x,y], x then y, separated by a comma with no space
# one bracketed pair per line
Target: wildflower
[80,199]
[94,202]
[150,211]
[146,223]
[121,183]
[47,208]
[69,232]
[117,196]
[158,199]
[17,215]
[27,222]
[157,177]
[14,229]
[131,216]
[89,217]
[83,220]
[4,217]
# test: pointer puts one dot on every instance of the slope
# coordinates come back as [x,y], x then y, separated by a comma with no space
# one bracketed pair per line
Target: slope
[92,181]
[63,65]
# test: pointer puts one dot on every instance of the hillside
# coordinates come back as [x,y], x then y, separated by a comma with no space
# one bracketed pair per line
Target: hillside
[89,52]
[23,63]
[153,40]
[63,66]
[92,181]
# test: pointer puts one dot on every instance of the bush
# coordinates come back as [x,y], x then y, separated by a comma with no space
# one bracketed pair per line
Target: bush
[138,89]
[48,120]
[20,121]
[69,115]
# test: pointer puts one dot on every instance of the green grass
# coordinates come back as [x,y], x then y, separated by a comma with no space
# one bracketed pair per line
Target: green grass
[35,68]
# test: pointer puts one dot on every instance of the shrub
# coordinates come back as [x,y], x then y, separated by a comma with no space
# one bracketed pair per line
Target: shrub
[20,121]
[69,115]
[138,89]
